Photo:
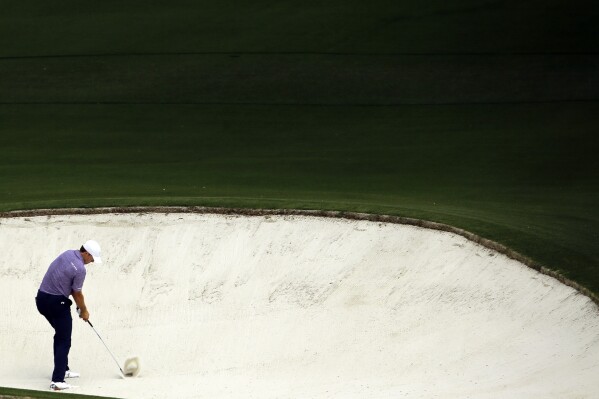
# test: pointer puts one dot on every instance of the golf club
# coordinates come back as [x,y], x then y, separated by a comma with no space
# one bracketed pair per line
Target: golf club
[111,354]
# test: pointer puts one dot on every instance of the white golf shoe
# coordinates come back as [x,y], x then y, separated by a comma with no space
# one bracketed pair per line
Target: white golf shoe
[71,374]
[59,386]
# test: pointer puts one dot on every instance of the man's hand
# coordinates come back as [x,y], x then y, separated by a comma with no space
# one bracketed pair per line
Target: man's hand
[84,314]
[81,308]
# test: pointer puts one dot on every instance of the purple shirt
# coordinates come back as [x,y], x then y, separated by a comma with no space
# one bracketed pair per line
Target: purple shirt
[65,275]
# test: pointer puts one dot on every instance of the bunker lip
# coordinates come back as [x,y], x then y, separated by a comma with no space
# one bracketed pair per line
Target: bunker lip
[492,245]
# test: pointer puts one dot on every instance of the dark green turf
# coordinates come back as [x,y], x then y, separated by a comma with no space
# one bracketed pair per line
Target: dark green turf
[12,393]
[35,27]
[478,114]
[324,79]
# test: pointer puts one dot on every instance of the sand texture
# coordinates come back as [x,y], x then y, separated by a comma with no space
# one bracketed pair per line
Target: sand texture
[221,306]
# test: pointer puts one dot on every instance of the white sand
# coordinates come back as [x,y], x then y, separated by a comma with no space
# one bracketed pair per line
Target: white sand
[295,307]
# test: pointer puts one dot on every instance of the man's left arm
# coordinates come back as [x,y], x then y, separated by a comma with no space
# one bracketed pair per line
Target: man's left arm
[80,301]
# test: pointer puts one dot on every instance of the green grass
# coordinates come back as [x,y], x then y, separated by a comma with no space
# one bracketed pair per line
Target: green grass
[11,393]
[482,115]
[34,27]
[296,79]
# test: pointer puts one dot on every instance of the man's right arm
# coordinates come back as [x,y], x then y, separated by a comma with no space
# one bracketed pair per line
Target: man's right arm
[80,301]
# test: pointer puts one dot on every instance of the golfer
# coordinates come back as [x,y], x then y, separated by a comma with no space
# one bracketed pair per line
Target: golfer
[64,278]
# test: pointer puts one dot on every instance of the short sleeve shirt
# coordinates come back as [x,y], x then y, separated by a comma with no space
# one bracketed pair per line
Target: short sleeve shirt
[65,274]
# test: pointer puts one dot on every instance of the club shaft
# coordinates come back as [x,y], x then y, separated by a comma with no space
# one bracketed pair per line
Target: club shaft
[106,346]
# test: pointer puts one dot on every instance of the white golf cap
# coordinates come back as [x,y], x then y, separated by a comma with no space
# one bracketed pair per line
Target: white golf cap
[93,248]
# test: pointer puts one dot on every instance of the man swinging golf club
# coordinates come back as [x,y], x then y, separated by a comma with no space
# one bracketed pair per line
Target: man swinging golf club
[65,277]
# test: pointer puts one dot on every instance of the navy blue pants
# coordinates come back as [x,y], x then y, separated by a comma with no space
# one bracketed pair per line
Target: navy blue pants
[57,310]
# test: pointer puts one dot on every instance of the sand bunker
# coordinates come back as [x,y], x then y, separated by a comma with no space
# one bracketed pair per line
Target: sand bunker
[295,307]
